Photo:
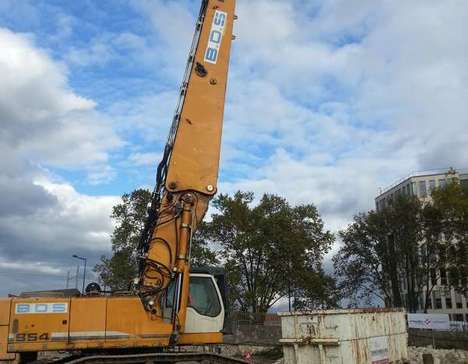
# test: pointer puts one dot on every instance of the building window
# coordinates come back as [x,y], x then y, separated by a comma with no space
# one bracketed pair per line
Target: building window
[443,277]
[420,302]
[413,188]
[430,306]
[422,189]
[437,300]
[442,183]
[457,317]
[448,302]
[432,185]
[433,277]
[458,300]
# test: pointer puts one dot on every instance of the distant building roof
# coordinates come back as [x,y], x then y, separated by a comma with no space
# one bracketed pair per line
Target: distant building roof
[430,172]
[52,293]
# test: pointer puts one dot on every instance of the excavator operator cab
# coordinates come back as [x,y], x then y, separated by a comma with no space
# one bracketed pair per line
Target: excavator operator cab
[206,305]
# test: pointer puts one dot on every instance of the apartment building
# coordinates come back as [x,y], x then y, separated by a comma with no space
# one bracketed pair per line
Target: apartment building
[443,299]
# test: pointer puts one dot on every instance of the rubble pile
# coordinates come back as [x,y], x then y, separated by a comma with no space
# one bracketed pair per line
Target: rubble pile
[441,356]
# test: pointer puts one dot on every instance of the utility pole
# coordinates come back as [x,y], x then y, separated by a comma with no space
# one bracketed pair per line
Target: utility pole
[76,276]
[68,279]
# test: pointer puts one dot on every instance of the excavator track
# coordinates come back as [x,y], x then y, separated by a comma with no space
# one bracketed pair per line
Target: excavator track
[159,358]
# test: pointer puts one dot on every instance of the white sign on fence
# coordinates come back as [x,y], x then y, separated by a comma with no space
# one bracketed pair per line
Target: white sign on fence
[429,321]
[378,347]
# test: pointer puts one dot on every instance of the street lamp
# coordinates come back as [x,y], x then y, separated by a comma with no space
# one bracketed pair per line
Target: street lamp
[84,271]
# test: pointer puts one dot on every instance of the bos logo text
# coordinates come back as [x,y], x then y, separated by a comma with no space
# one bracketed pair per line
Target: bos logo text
[216,37]
[54,307]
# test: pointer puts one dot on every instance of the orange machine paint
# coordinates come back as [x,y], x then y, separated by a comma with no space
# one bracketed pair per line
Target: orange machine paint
[39,324]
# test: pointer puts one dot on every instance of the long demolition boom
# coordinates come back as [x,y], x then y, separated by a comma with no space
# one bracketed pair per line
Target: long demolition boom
[187,175]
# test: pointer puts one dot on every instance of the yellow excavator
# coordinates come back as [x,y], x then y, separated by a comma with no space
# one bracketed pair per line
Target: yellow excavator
[169,305]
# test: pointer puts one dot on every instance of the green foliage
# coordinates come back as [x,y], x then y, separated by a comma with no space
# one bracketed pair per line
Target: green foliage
[407,244]
[201,254]
[117,271]
[268,250]
[451,204]
[266,247]
[129,216]
[315,290]
[358,262]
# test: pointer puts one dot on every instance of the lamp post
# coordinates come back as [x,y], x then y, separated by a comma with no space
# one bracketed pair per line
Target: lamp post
[84,271]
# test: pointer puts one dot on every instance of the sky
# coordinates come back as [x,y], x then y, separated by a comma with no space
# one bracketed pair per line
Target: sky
[328,101]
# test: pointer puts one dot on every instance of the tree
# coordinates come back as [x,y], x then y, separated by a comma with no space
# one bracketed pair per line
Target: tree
[380,252]
[451,204]
[430,250]
[316,290]
[130,215]
[116,272]
[359,262]
[266,247]
[405,235]
[407,243]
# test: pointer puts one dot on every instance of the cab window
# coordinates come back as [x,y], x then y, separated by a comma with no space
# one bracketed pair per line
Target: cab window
[203,296]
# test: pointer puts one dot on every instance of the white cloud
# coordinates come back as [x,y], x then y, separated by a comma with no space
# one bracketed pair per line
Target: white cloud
[327,102]
[144,159]
[78,211]
[148,115]
[97,53]
[168,46]
[45,123]
[42,118]
[343,97]
[43,241]
[36,267]
[27,70]
[73,221]
[339,97]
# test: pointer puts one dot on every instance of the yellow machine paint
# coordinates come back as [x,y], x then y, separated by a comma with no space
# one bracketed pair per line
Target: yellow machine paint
[88,323]
[189,173]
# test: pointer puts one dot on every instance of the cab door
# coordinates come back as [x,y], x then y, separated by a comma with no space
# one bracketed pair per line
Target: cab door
[205,311]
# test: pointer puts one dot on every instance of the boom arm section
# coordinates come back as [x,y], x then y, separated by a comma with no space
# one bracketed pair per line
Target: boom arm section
[187,175]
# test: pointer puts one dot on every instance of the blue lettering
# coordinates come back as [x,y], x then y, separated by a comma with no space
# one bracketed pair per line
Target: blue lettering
[215,37]
[58,307]
[219,19]
[211,54]
[41,307]
[22,308]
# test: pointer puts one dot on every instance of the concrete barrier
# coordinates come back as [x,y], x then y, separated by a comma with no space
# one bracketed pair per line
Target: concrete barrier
[254,335]
[438,339]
